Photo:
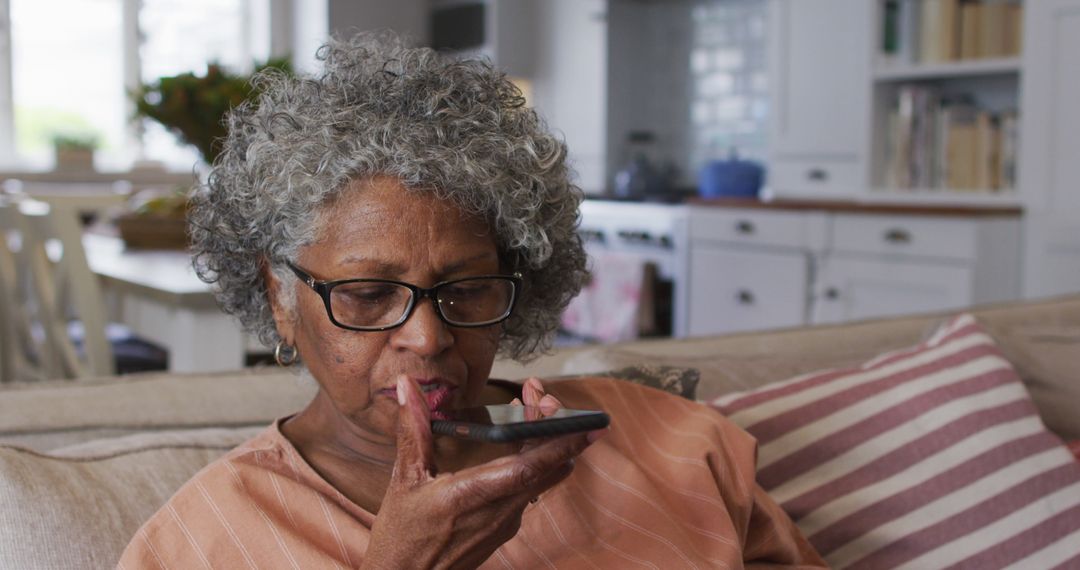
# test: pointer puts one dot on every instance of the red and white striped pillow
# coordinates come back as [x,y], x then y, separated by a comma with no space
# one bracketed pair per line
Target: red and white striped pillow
[926,457]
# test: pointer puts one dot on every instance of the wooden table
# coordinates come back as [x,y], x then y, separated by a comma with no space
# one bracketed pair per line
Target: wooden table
[162,300]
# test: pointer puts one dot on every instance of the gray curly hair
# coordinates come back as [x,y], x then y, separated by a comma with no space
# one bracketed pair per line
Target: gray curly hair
[458,129]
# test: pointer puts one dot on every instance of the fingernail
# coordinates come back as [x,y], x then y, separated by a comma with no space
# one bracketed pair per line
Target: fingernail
[401,387]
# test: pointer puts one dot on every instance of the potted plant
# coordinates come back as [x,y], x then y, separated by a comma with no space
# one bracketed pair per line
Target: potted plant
[74,151]
[193,106]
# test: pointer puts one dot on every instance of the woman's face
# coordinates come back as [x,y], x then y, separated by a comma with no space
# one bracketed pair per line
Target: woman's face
[376,229]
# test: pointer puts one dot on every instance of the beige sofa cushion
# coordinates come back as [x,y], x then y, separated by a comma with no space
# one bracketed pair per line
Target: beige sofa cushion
[79,506]
[47,415]
[1047,356]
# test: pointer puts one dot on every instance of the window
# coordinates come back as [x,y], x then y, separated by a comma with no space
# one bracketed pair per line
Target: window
[73,62]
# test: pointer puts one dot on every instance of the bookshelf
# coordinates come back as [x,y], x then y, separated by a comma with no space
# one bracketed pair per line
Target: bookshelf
[945,100]
[836,82]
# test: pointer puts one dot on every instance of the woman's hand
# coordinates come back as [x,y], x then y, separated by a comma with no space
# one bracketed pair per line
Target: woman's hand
[457,520]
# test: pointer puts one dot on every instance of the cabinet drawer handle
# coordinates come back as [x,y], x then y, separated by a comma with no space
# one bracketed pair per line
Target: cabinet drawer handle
[817,175]
[744,297]
[832,293]
[898,236]
[744,227]
[635,236]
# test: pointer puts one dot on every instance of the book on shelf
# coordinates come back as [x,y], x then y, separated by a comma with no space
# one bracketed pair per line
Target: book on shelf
[985,152]
[899,31]
[1008,150]
[938,143]
[938,36]
[992,29]
[935,31]
[1014,29]
[960,140]
[970,30]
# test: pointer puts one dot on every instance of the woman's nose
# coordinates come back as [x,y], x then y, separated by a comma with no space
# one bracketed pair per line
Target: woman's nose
[423,333]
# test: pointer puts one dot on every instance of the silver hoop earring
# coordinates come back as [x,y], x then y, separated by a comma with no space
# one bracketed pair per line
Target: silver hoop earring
[285,354]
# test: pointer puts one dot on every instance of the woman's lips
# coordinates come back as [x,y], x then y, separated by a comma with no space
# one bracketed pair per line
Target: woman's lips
[437,395]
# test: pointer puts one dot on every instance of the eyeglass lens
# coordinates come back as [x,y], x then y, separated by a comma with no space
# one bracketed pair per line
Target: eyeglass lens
[377,304]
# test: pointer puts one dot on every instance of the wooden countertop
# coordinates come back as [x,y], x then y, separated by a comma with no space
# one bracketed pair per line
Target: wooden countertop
[862,207]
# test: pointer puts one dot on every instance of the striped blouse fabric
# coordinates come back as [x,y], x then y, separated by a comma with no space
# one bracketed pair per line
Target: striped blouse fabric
[930,457]
[672,486]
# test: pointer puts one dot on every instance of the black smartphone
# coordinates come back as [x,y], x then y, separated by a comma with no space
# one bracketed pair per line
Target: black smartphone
[503,423]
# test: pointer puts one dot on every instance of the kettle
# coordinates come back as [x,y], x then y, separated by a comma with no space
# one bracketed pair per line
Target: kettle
[641,178]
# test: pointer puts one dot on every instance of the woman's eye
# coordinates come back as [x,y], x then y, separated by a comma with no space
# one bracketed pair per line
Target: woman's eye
[371,294]
[467,290]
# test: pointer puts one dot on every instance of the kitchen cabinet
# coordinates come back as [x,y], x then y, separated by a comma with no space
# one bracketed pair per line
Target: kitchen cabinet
[767,267]
[1050,158]
[853,288]
[750,269]
[883,265]
[819,66]
[733,289]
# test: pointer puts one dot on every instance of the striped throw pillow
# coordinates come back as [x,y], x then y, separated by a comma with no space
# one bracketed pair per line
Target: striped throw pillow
[927,457]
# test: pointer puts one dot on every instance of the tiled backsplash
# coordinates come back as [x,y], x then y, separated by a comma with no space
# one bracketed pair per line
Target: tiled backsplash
[729,99]
[693,72]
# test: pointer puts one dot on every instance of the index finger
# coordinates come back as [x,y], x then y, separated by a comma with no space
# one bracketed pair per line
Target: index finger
[415,461]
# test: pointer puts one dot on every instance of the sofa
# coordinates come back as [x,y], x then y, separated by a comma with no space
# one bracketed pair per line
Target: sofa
[82,464]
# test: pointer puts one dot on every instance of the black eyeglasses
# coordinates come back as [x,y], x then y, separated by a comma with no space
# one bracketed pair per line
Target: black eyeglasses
[382,304]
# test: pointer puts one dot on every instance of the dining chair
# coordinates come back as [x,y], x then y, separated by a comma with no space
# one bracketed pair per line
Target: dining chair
[62,281]
[69,304]
[17,345]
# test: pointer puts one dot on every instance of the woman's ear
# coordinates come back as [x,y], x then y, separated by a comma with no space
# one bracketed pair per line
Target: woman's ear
[282,303]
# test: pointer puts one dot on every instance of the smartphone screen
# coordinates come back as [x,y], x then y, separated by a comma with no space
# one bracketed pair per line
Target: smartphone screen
[505,423]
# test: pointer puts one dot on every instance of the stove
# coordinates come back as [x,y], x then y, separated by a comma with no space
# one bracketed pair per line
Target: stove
[659,234]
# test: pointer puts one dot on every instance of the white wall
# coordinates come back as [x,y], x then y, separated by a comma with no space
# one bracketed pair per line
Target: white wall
[407,17]
[309,31]
[569,81]
[312,22]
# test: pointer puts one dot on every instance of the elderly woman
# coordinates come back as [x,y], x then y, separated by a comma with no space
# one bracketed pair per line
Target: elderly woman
[390,226]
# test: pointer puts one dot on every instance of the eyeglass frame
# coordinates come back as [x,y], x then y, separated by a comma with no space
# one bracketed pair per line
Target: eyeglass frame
[324,287]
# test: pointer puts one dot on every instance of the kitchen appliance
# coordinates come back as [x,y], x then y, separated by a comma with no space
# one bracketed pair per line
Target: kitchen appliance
[659,234]
[643,177]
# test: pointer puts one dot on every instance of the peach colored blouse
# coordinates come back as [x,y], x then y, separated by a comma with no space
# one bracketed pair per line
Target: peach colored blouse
[672,486]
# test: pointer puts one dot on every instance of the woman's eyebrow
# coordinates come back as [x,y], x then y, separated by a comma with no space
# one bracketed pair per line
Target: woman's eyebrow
[378,267]
[373,266]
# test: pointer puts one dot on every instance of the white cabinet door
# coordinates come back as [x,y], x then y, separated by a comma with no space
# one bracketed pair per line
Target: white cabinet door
[733,289]
[819,75]
[859,288]
[1050,151]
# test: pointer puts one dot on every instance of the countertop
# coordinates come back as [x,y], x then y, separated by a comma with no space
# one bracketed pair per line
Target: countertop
[862,207]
